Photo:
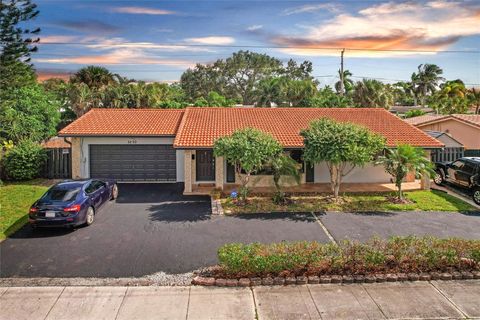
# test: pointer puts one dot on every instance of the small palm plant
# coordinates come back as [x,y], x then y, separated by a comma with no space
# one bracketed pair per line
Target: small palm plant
[402,160]
[281,166]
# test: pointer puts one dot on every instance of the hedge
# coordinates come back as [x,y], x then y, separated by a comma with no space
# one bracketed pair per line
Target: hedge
[24,161]
[397,254]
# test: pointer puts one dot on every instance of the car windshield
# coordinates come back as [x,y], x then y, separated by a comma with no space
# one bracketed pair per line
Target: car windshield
[61,194]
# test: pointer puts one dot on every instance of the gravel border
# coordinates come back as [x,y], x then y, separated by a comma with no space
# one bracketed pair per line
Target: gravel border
[336,279]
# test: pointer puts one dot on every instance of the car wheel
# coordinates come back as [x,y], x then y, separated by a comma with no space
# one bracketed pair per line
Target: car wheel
[476,195]
[114,192]
[438,178]
[90,216]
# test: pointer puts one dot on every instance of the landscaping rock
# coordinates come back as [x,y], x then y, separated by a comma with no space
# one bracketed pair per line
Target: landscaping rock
[445,276]
[424,277]
[313,280]
[221,282]
[456,275]
[402,277]
[381,277]
[347,279]
[413,276]
[267,281]
[335,279]
[290,280]
[232,282]
[244,282]
[370,279]
[391,277]
[279,281]
[256,281]
[476,274]
[325,279]
[435,275]
[302,280]
[467,275]
[359,279]
[203,281]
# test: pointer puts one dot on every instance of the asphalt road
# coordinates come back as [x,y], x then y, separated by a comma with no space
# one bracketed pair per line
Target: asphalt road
[152,228]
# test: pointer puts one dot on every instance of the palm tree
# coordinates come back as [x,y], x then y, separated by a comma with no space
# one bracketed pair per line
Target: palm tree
[455,88]
[427,80]
[283,165]
[347,82]
[402,160]
[94,77]
[403,91]
[269,91]
[370,93]
[474,97]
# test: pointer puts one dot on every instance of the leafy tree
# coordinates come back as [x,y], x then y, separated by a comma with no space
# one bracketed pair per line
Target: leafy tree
[327,98]
[59,89]
[347,82]
[94,77]
[402,160]
[414,113]
[295,71]
[24,161]
[403,93]
[281,166]
[370,93]
[17,43]
[248,150]
[339,145]
[201,80]
[426,80]
[28,113]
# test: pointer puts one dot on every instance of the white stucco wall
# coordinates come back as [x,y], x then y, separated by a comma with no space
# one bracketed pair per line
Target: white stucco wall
[366,174]
[87,141]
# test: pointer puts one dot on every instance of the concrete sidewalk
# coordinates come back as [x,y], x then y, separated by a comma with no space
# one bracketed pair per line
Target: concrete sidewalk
[420,300]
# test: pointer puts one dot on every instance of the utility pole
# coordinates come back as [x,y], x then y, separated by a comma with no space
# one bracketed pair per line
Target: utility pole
[342,86]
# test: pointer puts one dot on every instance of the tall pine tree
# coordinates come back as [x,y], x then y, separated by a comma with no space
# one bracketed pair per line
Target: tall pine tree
[17,42]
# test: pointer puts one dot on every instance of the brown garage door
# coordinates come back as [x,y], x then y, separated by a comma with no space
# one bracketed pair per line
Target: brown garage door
[133,162]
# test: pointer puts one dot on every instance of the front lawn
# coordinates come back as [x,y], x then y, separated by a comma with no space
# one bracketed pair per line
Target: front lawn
[420,201]
[15,200]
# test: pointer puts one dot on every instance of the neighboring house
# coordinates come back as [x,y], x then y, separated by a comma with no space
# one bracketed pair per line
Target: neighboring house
[452,150]
[465,128]
[402,110]
[176,145]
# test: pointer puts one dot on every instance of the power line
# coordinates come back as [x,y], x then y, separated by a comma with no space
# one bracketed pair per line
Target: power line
[254,46]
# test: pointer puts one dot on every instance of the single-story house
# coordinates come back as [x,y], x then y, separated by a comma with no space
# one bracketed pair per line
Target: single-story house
[465,128]
[162,145]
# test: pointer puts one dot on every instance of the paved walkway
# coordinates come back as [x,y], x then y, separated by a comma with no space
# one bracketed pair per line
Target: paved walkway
[420,300]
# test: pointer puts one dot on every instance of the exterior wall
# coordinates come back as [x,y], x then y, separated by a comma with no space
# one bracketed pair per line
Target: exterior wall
[80,152]
[425,181]
[367,174]
[188,163]
[466,134]
[219,172]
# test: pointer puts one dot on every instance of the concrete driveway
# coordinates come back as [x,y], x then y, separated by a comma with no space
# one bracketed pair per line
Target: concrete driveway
[153,227]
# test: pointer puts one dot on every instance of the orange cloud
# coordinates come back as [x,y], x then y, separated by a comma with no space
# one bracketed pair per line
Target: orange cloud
[141,10]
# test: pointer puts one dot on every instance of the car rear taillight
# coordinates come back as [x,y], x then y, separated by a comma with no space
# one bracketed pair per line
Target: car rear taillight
[33,210]
[74,208]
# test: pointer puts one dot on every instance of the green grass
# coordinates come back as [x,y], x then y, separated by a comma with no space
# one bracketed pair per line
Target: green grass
[15,200]
[420,201]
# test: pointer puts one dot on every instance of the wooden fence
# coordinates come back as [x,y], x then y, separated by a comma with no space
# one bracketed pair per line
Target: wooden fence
[447,154]
[58,164]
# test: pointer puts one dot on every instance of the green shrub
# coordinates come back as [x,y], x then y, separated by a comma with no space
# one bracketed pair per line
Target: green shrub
[397,254]
[24,161]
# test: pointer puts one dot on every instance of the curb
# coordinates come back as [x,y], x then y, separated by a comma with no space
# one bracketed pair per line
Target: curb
[334,279]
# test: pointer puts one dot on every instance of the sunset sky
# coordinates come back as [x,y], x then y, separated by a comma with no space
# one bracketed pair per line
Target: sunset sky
[158,40]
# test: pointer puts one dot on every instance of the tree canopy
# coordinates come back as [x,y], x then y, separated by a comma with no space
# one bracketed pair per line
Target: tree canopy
[340,144]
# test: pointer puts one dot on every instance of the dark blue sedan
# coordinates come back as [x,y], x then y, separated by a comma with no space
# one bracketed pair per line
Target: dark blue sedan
[72,203]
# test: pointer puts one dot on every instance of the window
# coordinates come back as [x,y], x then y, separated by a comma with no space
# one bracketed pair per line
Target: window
[469,168]
[61,194]
[94,186]
[458,165]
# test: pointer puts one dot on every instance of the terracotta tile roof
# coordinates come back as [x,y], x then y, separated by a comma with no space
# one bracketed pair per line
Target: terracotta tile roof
[125,122]
[201,126]
[473,119]
[423,119]
[55,143]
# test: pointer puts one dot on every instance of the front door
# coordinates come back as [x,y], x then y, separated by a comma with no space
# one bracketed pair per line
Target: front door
[205,165]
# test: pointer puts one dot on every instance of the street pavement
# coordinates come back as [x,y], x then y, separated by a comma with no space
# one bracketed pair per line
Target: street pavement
[402,300]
